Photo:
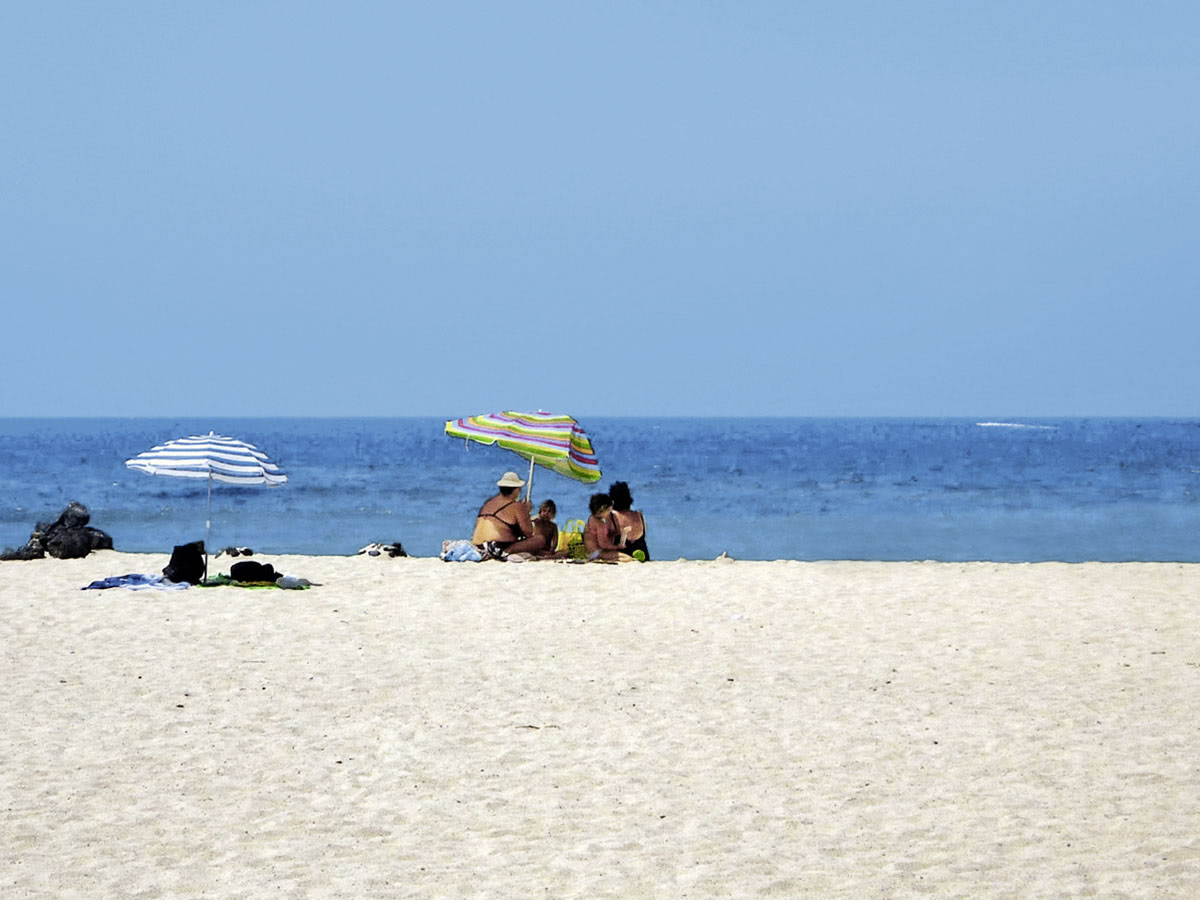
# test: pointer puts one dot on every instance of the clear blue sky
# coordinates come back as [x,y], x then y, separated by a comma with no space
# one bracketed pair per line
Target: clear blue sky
[684,208]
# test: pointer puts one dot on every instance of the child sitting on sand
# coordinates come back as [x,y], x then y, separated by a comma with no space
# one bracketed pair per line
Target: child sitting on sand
[544,527]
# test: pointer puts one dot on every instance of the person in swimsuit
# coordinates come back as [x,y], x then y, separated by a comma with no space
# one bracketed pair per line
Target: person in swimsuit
[601,537]
[544,527]
[502,525]
[635,538]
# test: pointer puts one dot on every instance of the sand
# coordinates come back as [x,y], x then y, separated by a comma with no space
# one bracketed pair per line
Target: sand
[414,728]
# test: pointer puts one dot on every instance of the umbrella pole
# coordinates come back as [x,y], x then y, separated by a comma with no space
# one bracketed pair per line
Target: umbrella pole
[207,525]
[529,483]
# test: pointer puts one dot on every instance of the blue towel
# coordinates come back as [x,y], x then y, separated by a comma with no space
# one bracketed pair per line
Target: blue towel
[136,582]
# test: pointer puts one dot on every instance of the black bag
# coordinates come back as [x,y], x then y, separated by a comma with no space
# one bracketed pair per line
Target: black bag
[187,563]
[252,571]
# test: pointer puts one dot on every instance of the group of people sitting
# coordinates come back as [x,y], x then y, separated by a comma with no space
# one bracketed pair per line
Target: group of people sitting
[615,532]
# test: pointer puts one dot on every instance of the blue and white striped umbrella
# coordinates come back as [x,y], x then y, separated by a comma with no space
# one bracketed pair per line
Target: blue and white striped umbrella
[211,456]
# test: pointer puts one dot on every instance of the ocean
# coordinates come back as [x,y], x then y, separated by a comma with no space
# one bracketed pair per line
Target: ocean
[806,489]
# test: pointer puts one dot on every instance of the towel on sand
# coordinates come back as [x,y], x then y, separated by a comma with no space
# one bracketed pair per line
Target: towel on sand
[136,582]
[287,582]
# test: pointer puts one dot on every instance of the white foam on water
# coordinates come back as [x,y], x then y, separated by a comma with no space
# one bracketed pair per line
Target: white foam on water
[1016,425]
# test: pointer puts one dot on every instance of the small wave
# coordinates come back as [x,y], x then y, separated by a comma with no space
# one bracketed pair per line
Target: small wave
[1016,425]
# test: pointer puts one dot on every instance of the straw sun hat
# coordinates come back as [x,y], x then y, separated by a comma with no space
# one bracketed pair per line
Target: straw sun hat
[510,479]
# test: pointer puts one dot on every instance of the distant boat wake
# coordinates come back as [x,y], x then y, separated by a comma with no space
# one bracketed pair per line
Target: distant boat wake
[1016,425]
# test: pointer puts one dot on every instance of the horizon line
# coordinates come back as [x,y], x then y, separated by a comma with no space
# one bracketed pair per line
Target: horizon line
[979,418]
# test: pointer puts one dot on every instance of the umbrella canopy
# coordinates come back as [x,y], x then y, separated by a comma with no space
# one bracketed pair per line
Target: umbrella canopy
[211,456]
[552,441]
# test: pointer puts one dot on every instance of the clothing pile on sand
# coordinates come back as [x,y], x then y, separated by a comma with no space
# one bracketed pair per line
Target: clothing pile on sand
[391,550]
[180,574]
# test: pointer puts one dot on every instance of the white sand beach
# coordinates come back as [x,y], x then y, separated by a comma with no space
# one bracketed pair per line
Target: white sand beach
[413,728]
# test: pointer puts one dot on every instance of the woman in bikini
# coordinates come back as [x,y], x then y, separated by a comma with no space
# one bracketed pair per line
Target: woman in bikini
[635,537]
[602,538]
[502,525]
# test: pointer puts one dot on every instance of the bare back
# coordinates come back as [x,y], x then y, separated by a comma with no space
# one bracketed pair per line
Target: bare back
[631,519]
[502,518]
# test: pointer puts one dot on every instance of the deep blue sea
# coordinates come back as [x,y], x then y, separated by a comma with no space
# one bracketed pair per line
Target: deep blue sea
[882,489]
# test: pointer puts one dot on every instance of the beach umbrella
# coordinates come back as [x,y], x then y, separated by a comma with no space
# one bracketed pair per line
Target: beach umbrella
[554,442]
[213,457]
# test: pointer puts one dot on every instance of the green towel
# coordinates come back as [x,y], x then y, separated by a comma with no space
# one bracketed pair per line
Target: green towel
[221,580]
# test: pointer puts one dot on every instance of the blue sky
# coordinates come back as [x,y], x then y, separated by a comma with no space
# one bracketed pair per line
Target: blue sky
[684,208]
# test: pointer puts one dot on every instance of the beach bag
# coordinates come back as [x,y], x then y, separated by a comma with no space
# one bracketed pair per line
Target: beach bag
[570,539]
[252,571]
[186,564]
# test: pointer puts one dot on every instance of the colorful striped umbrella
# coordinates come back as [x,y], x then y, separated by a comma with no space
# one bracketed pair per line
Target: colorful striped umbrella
[554,442]
[211,456]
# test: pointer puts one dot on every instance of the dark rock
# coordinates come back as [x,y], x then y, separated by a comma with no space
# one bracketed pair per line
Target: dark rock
[100,540]
[32,550]
[74,517]
[68,543]
[67,537]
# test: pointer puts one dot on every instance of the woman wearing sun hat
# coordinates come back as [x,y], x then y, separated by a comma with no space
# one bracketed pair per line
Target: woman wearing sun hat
[502,525]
